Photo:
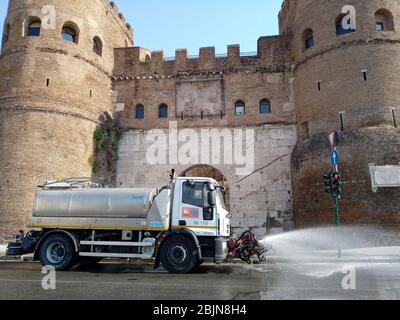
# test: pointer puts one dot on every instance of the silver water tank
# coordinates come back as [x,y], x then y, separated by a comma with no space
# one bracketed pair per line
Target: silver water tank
[92,203]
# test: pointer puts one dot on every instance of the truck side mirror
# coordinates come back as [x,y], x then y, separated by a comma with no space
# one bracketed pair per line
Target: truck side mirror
[212,199]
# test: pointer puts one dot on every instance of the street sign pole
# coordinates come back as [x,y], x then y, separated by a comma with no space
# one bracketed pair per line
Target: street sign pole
[337,212]
[333,138]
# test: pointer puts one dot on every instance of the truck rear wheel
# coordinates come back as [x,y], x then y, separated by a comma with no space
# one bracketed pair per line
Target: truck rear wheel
[57,251]
[179,255]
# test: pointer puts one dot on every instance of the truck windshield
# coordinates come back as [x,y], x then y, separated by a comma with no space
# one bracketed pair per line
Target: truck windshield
[220,199]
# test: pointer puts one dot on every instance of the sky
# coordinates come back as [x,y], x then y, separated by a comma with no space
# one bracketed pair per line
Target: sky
[171,24]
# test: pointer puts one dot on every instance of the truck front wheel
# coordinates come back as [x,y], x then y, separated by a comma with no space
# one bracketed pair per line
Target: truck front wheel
[57,251]
[179,255]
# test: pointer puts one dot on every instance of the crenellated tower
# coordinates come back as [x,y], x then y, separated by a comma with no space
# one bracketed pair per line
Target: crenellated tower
[348,80]
[55,79]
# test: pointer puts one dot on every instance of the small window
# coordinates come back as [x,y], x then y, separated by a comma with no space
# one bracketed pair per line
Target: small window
[265,106]
[193,193]
[394,118]
[308,39]
[384,20]
[139,112]
[163,111]
[6,33]
[365,76]
[70,32]
[339,25]
[318,85]
[97,46]
[240,108]
[34,29]
[341,119]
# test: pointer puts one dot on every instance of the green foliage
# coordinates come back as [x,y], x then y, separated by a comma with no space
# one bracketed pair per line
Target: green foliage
[106,141]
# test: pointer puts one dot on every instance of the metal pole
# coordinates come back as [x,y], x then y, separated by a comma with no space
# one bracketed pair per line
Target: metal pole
[337,211]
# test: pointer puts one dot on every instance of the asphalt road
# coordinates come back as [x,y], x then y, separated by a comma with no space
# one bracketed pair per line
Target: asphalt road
[274,280]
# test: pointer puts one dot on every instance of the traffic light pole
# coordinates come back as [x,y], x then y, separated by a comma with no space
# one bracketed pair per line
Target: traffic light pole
[337,212]
[334,183]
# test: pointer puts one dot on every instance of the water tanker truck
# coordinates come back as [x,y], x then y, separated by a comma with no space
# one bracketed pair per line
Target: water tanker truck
[76,221]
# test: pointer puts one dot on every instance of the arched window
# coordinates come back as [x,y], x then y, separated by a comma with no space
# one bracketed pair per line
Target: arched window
[308,39]
[265,106]
[34,28]
[139,111]
[384,20]
[6,33]
[98,46]
[163,111]
[240,108]
[70,32]
[339,25]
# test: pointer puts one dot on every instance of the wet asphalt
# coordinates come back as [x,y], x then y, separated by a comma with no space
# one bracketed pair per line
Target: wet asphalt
[274,280]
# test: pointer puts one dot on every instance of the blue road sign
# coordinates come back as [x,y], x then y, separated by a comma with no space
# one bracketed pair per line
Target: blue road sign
[335,158]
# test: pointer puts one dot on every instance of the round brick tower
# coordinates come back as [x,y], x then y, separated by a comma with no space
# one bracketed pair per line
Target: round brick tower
[348,81]
[55,66]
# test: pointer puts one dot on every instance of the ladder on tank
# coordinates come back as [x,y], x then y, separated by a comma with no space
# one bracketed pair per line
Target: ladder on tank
[73,183]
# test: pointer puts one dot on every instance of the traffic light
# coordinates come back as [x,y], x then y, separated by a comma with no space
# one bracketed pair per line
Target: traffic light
[337,184]
[328,182]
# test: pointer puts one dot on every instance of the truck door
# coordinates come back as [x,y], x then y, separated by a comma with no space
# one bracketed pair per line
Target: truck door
[194,212]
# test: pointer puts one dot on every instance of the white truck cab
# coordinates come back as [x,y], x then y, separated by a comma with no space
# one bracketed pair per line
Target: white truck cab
[191,208]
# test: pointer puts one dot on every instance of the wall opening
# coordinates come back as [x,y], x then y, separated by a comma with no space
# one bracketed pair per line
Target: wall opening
[33,27]
[394,118]
[319,85]
[308,39]
[139,111]
[6,33]
[97,46]
[384,20]
[70,32]
[364,73]
[240,108]
[163,111]
[265,106]
[209,172]
[341,118]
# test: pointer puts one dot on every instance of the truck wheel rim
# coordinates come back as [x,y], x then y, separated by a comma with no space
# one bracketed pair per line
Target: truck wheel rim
[55,252]
[177,254]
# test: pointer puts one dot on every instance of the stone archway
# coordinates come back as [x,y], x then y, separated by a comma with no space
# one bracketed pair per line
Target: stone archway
[209,172]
